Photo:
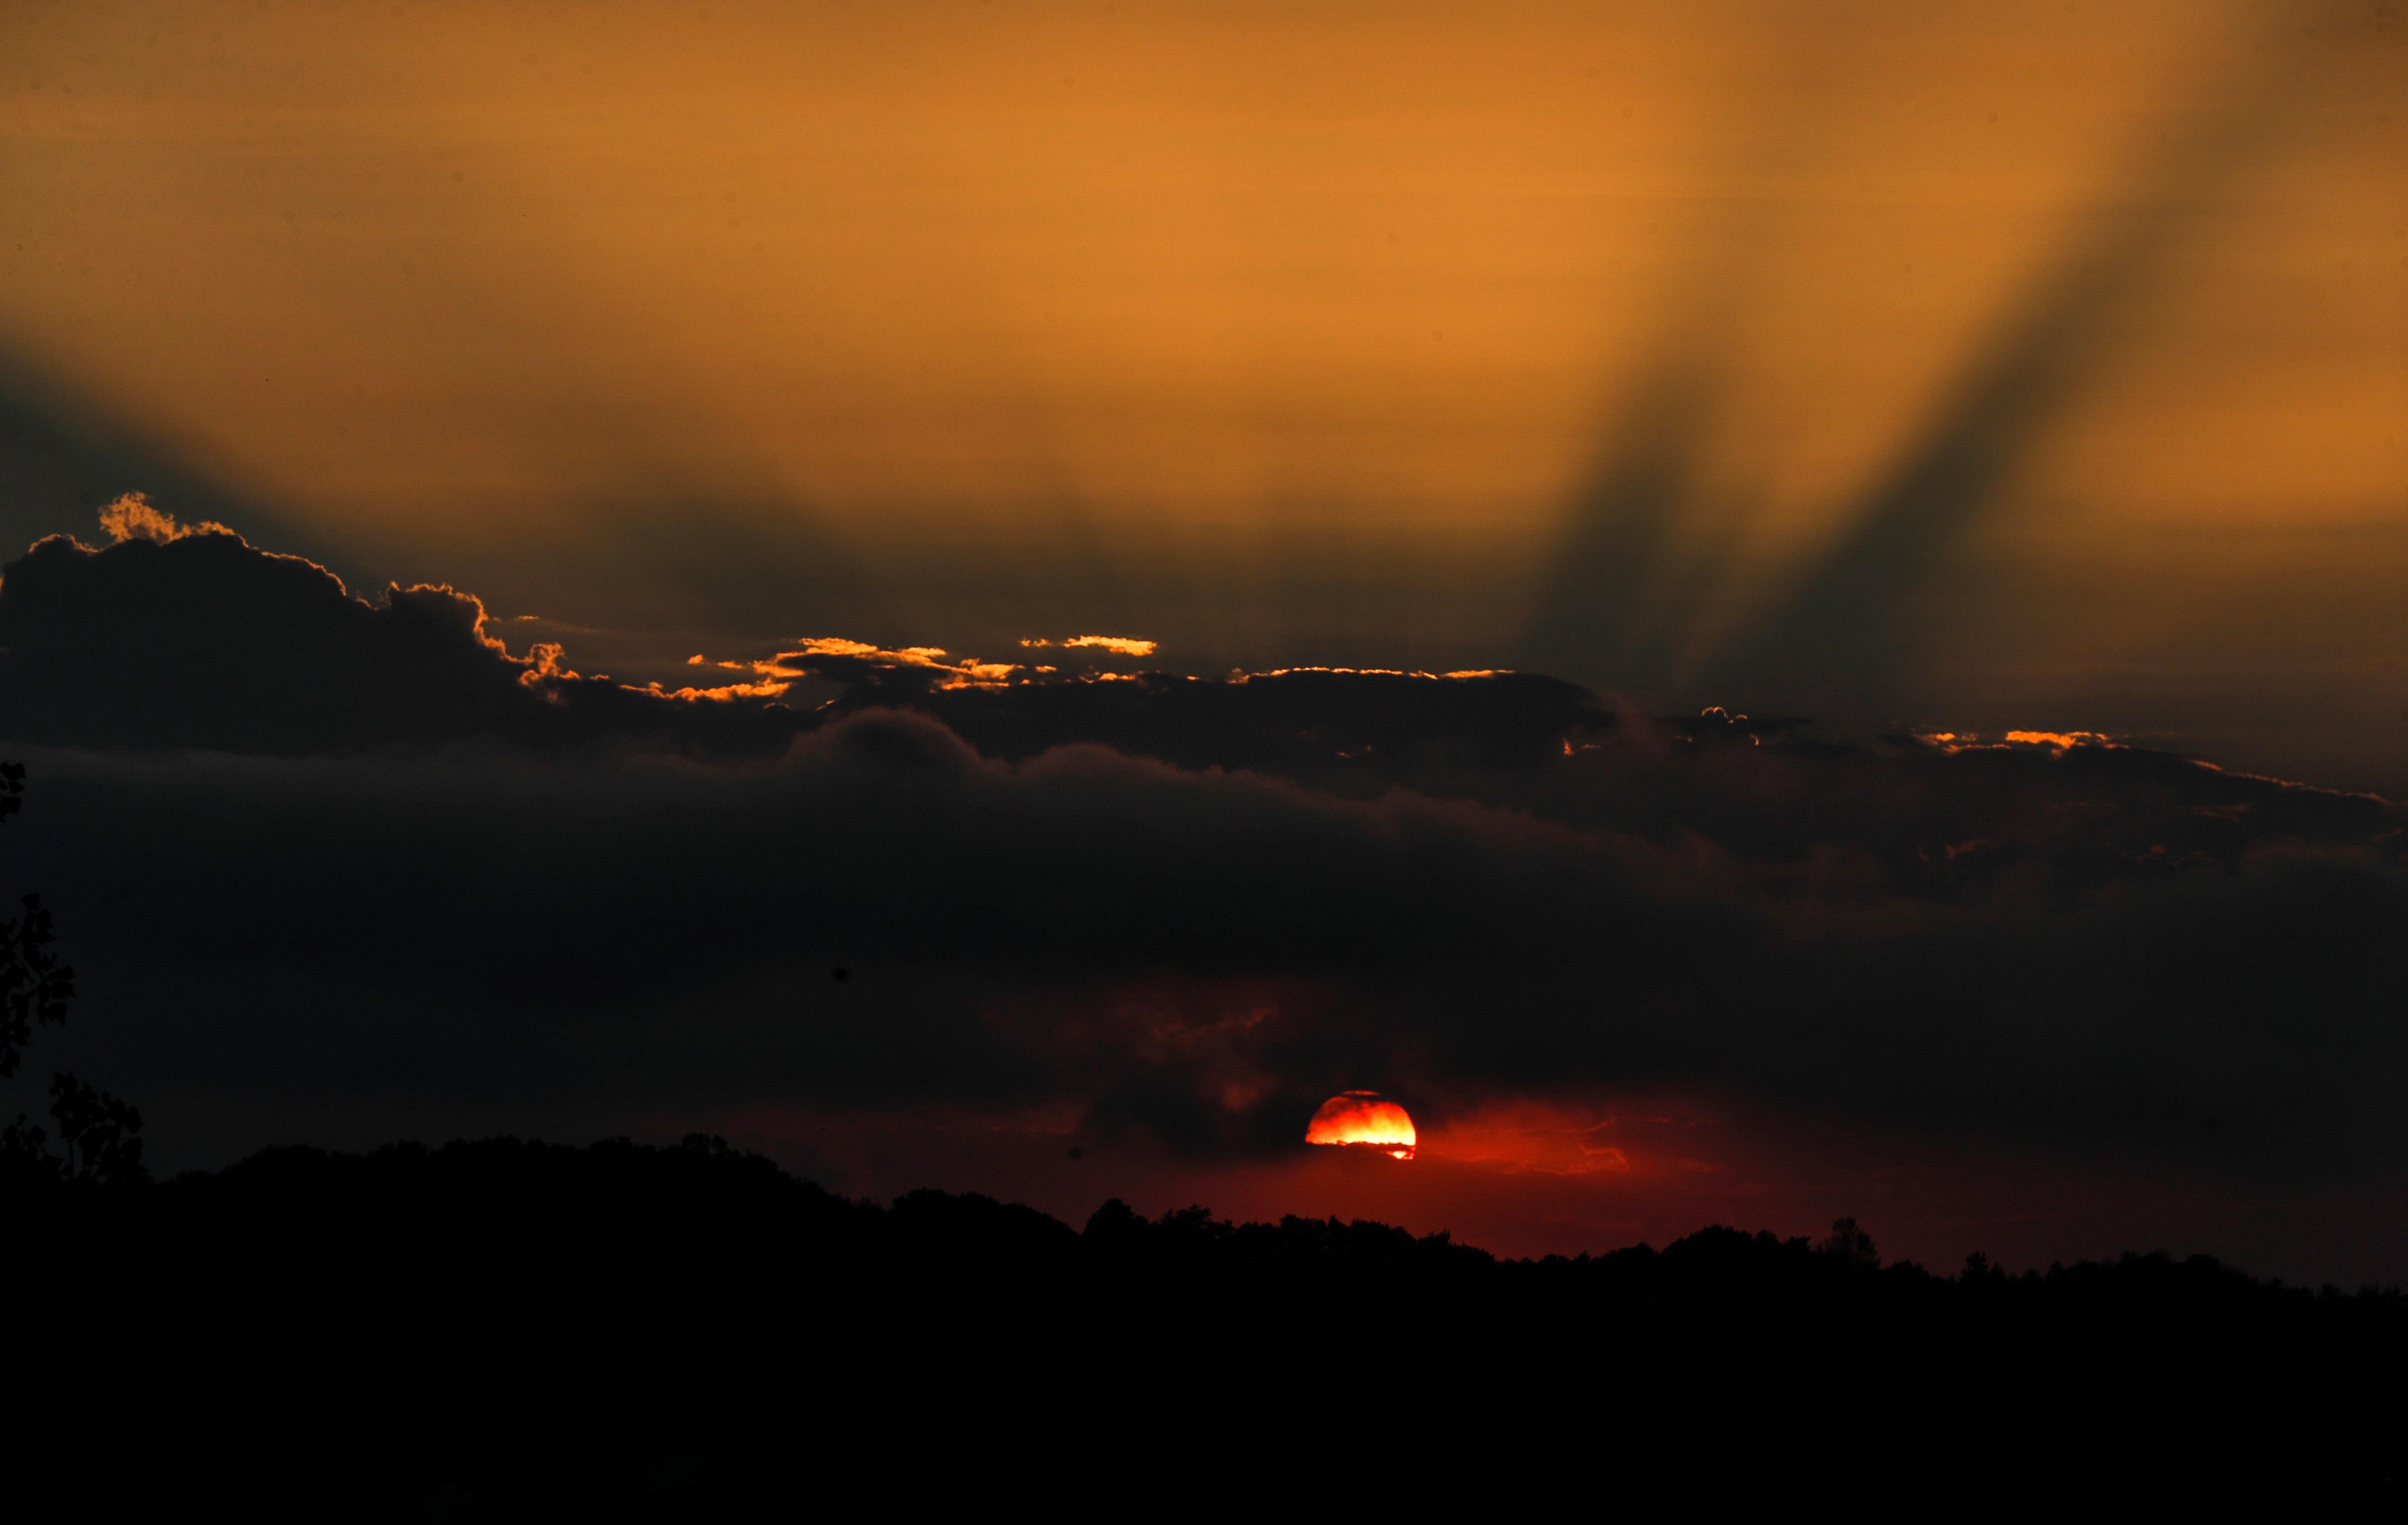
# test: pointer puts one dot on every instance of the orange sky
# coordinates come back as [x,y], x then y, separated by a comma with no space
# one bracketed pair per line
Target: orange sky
[1571,336]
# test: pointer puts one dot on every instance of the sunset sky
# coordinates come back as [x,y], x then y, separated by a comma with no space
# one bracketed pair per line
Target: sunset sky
[1957,368]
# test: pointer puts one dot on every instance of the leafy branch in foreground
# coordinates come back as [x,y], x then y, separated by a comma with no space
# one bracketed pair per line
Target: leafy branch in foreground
[99,1137]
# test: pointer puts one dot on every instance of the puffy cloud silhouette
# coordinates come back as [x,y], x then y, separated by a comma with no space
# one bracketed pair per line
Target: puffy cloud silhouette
[131,516]
[189,636]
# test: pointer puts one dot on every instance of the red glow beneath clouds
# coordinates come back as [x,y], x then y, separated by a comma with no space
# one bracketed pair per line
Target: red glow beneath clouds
[1533,1178]
[1360,1117]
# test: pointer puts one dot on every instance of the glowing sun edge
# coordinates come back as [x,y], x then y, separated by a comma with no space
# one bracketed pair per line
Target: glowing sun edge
[1360,1118]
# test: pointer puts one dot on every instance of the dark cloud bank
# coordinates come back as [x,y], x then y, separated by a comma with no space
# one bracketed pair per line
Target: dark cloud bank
[319,859]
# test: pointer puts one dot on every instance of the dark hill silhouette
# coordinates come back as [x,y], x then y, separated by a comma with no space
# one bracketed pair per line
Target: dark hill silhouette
[504,1329]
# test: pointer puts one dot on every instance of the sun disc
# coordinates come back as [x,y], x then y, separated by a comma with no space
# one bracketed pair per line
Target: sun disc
[1363,1120]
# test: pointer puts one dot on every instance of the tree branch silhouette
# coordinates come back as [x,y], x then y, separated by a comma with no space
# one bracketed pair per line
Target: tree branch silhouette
[99,1137]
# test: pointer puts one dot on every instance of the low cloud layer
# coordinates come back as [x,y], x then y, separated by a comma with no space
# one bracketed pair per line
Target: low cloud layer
[185,638]
[311,855]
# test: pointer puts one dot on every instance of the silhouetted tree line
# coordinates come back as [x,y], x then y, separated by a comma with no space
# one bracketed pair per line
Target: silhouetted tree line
[493,1328]
[509,1330]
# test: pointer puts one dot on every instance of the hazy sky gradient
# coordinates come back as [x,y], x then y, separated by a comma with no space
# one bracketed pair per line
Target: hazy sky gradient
[1977,366]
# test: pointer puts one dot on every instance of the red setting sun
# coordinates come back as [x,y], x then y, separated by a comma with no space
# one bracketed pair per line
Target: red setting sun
[1361,1118]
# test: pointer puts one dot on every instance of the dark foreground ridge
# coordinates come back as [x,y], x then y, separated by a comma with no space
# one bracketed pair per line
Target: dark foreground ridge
[502,1329]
